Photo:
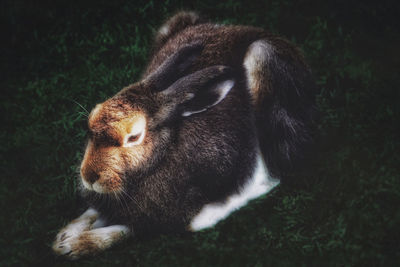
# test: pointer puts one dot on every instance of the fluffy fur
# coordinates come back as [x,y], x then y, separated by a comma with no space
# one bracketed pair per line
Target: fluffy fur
[211,97]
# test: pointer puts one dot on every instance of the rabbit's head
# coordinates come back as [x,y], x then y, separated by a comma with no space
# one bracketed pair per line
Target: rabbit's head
[129,132]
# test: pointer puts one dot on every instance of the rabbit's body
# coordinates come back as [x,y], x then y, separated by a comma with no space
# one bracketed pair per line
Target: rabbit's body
[276,76]
[186,146]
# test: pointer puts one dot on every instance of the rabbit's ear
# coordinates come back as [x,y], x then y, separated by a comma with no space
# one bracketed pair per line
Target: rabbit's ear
[199,91]
[175,24]
[173,67]
[207,97]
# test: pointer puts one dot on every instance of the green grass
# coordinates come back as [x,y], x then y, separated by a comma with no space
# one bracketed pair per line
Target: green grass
[59,59]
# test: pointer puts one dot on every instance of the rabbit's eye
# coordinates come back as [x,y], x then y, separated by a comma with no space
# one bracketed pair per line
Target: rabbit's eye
[136,133]
[134,138]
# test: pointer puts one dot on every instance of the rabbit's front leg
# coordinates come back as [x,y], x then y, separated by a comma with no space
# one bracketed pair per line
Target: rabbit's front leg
[87,235]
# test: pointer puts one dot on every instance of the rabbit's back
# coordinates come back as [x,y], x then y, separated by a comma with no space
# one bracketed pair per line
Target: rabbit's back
[223,45]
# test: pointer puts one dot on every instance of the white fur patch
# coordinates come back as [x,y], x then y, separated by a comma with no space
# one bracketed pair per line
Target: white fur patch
[164,30]
[188,113]
[86,184]
[223,89]
[255,63]
[259,184]
[98,188]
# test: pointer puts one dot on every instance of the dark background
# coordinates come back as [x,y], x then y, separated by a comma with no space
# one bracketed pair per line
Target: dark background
[59,58]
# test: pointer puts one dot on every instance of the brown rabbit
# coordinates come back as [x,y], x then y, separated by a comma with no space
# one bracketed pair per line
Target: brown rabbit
[185,146]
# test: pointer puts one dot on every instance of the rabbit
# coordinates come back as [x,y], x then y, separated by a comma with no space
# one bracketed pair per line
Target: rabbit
[221,115]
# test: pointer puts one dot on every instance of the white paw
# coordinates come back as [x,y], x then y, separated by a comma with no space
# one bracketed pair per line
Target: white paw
[74,247]
[89,242]
[64,234]
[63,246]
[86,221]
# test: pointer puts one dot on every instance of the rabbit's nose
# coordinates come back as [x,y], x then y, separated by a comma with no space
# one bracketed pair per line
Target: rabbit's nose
[91,176]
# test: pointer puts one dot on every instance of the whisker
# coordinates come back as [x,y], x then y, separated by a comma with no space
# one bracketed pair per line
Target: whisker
[118,201]
[87,112]
[124,203]
[132,198]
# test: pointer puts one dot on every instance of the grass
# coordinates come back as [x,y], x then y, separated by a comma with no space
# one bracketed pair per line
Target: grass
[60,58]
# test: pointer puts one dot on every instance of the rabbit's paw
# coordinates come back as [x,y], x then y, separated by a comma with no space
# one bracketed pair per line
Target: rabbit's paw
[90,242]
[88,220]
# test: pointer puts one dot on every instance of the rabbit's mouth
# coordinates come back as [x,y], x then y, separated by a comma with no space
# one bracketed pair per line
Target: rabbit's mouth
[105,184]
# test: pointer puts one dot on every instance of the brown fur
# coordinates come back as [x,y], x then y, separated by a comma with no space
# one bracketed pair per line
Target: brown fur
[87,243]
[108,124]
